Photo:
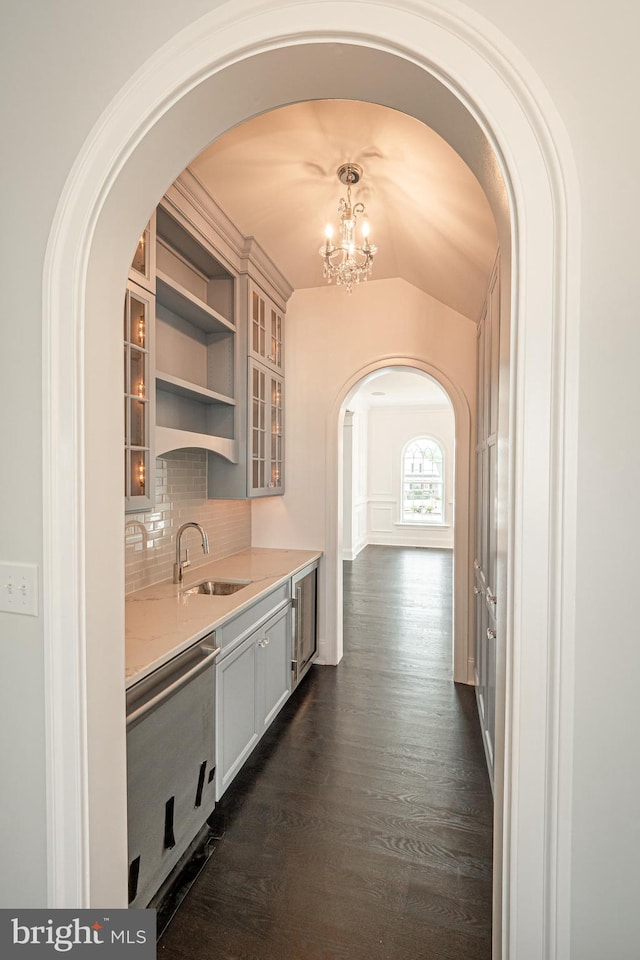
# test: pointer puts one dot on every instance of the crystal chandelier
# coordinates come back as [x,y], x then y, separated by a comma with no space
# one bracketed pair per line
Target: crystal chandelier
[346,261]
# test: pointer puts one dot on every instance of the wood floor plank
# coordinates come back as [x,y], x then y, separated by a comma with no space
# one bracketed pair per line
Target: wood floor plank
[361,825]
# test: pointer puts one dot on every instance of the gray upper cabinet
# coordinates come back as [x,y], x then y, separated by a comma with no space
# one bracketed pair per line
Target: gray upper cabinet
[266,329]
[265,466]
[143,265]
[195,339]
[139,454]
[215,313]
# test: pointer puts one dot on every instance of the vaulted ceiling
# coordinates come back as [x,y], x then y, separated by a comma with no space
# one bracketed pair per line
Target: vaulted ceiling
[275,176]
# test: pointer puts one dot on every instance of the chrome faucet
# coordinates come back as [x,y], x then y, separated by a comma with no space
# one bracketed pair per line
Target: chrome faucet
[180,564]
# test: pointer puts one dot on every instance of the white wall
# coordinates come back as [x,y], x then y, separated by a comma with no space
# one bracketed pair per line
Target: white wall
[331,336]
[355,461]
[390,429]
[61,65]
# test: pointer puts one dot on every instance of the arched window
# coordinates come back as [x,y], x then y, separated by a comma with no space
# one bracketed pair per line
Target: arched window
[423,482]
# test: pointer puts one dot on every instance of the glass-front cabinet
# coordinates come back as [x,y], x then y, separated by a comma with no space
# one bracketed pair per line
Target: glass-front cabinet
[266,431]
[143,265]
[266,335]
[203,351]
[276,387]
[138,393]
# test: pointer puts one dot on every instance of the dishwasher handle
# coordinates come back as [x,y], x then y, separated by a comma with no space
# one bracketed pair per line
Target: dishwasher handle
[178,683]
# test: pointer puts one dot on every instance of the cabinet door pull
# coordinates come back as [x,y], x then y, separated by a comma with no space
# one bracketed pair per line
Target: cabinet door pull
[169,837]
[200,788]
[134,876]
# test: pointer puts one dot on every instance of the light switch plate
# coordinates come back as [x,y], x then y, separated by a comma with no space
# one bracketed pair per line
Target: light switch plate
[19,588]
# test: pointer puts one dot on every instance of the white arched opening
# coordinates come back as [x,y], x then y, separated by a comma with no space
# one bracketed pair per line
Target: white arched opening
[457,74]
[462,613]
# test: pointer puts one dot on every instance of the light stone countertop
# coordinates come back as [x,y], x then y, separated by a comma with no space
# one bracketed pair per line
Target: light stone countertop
[163,620]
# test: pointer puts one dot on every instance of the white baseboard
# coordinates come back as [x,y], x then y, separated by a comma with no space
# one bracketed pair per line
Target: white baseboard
[398,539]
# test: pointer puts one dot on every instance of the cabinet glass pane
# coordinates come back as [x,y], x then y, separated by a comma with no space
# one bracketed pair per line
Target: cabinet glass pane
[138,431]
[138,473]
[137,385]
[259,324]
[138,331]
[276,339]
[140,261]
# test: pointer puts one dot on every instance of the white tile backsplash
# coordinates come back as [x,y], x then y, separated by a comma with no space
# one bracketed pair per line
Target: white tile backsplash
[181,495]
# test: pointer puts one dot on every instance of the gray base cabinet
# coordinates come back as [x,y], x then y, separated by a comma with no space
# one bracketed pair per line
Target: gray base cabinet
[274,679]
[253,682]
[236,695]
[486,553]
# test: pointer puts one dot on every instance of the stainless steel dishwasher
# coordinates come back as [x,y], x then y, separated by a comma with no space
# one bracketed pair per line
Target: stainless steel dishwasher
[170,765]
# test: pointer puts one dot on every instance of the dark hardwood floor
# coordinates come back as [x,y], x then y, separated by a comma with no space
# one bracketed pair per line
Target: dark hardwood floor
[361,825]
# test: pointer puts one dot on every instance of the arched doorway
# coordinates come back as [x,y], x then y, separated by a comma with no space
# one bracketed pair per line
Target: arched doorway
[462,561]
[425,63]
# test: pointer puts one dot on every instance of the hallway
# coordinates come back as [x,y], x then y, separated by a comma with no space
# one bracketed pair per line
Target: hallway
[361,825]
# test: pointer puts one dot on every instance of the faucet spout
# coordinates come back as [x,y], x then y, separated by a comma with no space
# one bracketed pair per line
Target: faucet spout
[180,564]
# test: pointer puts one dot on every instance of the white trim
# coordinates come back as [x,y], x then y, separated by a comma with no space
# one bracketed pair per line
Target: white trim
[422,525]
[63,603]
[465,52]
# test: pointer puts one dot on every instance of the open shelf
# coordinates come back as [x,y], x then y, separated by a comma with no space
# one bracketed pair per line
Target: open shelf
[181,301]
[190,391]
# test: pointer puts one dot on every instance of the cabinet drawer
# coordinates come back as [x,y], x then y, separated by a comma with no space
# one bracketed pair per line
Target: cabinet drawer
[234,630]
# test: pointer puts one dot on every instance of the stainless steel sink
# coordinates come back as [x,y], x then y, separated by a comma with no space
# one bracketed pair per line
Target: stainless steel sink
[218,588]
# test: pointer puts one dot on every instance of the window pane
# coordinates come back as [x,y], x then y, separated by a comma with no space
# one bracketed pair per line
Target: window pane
[422,482]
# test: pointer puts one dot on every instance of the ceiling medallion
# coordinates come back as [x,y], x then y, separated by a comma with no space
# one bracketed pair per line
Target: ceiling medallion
[346,261]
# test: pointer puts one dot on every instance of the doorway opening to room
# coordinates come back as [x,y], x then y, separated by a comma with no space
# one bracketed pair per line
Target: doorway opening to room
[398,506]
[243,364]
[398,463]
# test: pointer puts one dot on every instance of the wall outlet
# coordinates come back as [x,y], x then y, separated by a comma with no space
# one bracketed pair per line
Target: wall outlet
[19,588]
